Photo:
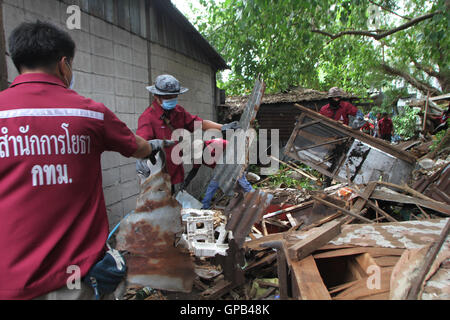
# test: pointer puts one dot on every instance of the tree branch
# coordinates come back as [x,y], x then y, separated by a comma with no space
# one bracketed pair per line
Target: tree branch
[377,36]
[428,70]
[388,10]
[422,86]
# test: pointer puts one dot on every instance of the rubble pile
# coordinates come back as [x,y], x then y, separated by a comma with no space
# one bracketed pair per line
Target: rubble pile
[380,231]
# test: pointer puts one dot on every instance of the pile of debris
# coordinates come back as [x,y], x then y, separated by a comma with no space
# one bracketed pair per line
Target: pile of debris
[380,232]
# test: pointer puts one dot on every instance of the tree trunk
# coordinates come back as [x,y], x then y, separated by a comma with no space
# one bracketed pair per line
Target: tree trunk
[3,66]
[422,86]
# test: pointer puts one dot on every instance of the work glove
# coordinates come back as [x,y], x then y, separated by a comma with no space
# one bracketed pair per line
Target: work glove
[142,167]
[231,126]
[158,145]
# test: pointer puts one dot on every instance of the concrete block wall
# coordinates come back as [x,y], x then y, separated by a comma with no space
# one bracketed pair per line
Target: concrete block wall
[111,66]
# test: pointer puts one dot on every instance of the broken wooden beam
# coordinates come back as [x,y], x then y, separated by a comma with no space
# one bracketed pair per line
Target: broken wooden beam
[401,198]
[293,208]
[347,212]
[317,239]
[308,280]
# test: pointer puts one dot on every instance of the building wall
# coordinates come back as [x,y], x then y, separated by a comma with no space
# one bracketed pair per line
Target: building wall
[112,66]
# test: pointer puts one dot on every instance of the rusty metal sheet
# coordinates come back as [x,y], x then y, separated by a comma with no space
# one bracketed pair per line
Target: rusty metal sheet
[149,236]
[244,211]
[339,152]
[227,174]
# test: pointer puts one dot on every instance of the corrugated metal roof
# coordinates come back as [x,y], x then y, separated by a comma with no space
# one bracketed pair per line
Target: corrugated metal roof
[244,211]
[228,174]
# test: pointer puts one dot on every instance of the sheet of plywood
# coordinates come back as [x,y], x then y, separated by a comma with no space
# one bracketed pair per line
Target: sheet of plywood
[308,280]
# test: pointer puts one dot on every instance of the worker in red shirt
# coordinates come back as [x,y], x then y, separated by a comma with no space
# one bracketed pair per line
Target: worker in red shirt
[165,115]
[337,109]
[53,219]
[386,127]
[340,110]
[212,149]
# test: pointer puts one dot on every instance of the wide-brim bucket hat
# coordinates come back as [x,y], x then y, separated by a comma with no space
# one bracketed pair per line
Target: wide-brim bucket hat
[335,92]
[166,85]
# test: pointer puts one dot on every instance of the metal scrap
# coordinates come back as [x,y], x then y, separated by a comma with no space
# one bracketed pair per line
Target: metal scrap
[244,211]
[227,174]
[149,236]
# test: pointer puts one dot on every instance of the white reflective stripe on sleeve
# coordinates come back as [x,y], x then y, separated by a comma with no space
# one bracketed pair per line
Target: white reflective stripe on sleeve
[52,112]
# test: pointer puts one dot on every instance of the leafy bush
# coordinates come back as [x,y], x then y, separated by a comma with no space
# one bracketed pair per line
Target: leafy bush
[405,124]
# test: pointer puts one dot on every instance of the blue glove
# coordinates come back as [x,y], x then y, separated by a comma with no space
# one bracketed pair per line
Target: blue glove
[231,126]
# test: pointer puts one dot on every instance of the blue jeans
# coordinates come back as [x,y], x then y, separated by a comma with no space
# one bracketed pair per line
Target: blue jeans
[214,186]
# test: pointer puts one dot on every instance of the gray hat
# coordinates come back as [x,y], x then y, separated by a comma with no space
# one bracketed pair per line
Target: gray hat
[335,92]
[165,85]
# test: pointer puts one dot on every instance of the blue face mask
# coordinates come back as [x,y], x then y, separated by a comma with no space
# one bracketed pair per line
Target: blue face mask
[169,104]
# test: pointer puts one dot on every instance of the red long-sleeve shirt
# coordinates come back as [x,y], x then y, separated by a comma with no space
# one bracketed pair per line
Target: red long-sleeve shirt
[341,114]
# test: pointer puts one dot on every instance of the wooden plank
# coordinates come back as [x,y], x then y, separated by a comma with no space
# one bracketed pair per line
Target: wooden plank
[322,221]
[322,144]
[361,290]
[260,262]
[317,239]
[401,198]
[330,246]
[331,205]
[342,286]
[373,251]
[408,189]
[386,261]
[308,280]
[293,208]
[355,269]
[361,201]
[221,288]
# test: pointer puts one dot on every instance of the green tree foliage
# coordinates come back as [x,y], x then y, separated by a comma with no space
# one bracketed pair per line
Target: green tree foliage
[405,125]
[354,44]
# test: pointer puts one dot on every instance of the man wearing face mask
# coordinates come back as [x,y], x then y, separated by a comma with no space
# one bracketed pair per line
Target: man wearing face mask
[337,109]
[53,220]
[165,115]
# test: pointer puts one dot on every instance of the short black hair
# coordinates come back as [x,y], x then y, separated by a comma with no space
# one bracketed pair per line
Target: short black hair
[39,44]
